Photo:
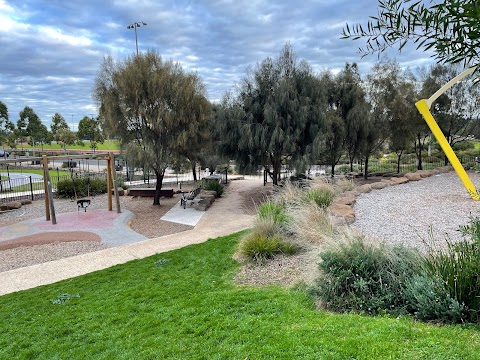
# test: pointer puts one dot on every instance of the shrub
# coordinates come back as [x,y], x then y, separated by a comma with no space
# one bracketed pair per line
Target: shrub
[322,196]
[429,300]
[274,211]
[214,186]
[362,277]
[259,247]
[458,266]
[81,187]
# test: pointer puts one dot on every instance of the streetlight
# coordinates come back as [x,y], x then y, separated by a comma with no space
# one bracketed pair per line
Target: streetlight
[134,26]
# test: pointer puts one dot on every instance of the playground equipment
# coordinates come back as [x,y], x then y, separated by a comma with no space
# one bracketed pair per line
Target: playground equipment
[47,186]
[423,107]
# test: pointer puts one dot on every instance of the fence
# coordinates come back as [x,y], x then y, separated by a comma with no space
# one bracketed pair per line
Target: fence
[30,186]
[408,163]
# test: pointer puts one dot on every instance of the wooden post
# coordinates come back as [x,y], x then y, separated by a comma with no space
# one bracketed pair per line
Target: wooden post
[45,187]
[115,189]
[50,199]
[109,180]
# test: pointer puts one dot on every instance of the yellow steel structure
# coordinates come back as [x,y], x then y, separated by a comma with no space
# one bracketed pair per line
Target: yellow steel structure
[423,107]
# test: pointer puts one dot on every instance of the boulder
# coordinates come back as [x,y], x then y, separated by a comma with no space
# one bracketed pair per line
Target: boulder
[398,181]
[380,185]
[424,173]
[413,177]
[26,201]
[348,199]
[11,205]
[366,188]
[202,204]
[341,214]
[445,169]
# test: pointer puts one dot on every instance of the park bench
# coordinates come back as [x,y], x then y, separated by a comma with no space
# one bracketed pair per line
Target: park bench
[189,197]
[150,192]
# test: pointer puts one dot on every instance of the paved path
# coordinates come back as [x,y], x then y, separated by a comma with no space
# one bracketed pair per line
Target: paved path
[226,216]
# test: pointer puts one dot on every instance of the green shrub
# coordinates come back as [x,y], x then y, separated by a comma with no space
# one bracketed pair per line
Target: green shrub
[274,211]
[458,266]
[81,187]
[366,278]
[322,196]
[428,299]
[259,247]
[214,186]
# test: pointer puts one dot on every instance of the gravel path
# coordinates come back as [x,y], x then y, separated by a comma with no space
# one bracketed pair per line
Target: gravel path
[423,211]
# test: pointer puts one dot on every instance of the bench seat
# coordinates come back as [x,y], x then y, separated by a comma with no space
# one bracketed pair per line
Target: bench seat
[150,192]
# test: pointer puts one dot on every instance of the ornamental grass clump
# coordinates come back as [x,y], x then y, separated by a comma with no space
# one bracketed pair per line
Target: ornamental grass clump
[321,196]
[274,211]
[259,247]
[310,224]
[458,267]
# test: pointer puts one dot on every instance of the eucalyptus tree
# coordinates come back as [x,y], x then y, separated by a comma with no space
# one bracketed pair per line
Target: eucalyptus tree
[89,129]
[58,122]
[29,125]
[153,106]
[275,114]
[3,121]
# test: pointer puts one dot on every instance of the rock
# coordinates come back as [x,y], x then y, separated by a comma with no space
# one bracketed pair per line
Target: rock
[413,177]
[345,200]
[424,173]
[366,188]
[445,169]
[202,205]
[434,172]
[341,213]
[26,201]
[11,205]
[380,185]
[399,180]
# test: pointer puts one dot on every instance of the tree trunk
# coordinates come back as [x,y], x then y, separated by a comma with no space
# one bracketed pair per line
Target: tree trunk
[193,165]
[365,174]
[277,164]
[418,152]
[156,199]
[333,170]
[399,156]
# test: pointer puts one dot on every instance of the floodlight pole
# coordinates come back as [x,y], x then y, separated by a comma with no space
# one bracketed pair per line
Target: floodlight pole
[134,26]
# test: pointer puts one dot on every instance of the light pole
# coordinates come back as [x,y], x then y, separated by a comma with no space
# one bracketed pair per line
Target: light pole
[134,26]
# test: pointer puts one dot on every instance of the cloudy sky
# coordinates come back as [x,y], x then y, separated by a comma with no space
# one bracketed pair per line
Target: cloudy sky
[51,50]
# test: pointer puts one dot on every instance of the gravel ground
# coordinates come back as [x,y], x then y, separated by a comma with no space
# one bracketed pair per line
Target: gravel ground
[417,213]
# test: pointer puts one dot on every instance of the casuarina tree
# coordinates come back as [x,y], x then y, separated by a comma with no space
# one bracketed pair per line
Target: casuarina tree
[153,106]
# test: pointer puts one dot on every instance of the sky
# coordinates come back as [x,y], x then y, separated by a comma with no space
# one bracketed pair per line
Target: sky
[51,51]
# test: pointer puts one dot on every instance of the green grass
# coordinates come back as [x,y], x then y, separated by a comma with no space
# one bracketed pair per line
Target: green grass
[37,185]
[184,305]
[100,147]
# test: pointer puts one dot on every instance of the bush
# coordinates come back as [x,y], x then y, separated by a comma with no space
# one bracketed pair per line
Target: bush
[274,211]
[214,186]
[259,247]
[429,300]
[322,196]
[81,187]
[366,278]
[458,266]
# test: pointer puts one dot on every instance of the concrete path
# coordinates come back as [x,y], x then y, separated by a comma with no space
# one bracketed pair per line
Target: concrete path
[226,216]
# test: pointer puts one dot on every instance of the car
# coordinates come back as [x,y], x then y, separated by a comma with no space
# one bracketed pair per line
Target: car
[4,154]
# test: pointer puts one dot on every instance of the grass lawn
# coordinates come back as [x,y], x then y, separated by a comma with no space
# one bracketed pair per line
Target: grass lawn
[184,305]
[54,176]
[100,147]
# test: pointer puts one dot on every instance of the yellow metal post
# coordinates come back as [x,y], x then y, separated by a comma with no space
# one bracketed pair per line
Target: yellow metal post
[424,109]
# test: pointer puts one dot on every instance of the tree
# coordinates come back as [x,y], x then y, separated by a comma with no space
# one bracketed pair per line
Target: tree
[89,129]
[65,137]
[451,28]
[3,121]
[275,114]
[29,125]
[58,122]
[153,106]
[353,108]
